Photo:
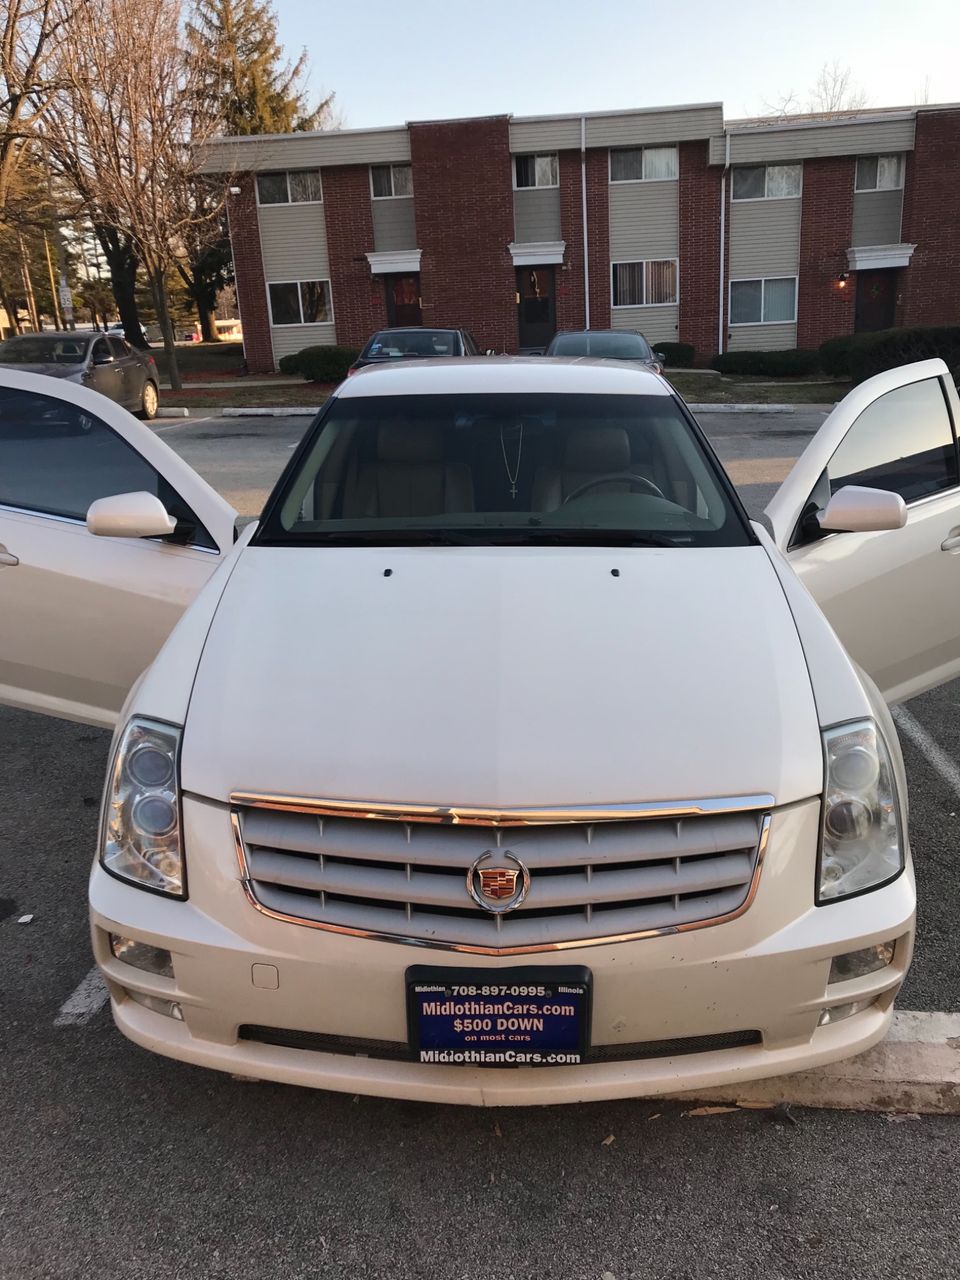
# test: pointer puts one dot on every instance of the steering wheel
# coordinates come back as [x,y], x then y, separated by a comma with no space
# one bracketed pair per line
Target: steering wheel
[630,476]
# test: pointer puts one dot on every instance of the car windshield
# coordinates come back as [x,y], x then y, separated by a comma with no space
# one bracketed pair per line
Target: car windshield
[609,346]
[504,469]
[40,350]
[397,343]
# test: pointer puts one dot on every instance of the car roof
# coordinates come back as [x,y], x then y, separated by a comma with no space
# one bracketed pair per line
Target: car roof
[589,333]
[492,375]
[418,328]
[56,333]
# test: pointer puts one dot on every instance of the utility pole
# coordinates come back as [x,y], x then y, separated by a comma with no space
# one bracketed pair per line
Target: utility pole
[53,284]
[28,284]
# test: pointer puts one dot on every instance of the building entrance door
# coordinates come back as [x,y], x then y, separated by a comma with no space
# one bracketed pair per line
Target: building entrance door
[876,300]
[536,307]
[403,301]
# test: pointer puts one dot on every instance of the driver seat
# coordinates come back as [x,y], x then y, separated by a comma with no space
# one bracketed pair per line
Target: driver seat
[588,454]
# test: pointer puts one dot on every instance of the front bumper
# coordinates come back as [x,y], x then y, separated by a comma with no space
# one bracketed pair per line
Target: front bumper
[766,971]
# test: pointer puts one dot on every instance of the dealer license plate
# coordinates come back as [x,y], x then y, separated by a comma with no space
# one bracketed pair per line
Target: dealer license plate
[536,1017]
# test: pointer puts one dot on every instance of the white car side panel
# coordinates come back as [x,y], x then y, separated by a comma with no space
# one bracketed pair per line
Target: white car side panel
[82,616]
[893,597]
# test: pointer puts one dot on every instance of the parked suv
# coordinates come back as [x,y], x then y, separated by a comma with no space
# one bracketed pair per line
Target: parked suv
[606,344]
[504,759]
[389,345]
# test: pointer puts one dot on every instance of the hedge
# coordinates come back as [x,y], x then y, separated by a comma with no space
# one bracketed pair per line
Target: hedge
[320,364]
[773,364]
[835,353]
[678,355]
[890,348]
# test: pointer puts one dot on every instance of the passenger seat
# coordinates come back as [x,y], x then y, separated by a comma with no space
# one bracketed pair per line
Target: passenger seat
[409,477]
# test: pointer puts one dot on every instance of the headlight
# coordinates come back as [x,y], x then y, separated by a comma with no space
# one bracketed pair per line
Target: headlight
[140,840]
[861,842]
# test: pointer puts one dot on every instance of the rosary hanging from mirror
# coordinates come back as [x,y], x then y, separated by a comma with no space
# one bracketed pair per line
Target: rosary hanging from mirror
[513,473]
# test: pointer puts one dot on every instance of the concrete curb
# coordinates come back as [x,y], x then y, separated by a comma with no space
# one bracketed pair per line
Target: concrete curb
[164,412]
[300,411]
[914,1071]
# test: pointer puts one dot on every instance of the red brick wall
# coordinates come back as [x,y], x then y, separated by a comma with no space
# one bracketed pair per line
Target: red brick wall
[824,310]
[699,199]
[463,200]
[248,267]
[930,285]
[570,309]
[359,302]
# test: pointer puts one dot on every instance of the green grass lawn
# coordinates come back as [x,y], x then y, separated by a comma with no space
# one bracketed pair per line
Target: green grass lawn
[700,389]
[290,395]
[203,359]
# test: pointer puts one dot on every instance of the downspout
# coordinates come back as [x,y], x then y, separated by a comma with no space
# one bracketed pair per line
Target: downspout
[586,234]
[723,239]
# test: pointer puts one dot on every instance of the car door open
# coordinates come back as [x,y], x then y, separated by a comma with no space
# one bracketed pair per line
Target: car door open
[82,614]
[889,584]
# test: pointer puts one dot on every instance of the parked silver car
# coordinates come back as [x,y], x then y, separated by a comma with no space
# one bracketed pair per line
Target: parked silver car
[104,362]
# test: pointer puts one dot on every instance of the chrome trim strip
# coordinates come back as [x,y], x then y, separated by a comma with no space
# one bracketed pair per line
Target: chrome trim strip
[469,949]
[470,815]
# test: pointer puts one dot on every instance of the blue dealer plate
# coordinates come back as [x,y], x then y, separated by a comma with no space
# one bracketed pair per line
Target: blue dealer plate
[536,1017]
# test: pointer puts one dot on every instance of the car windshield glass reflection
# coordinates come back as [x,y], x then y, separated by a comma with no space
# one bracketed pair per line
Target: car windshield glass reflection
[40,350]
[410,342]
[609,346]
[522,468]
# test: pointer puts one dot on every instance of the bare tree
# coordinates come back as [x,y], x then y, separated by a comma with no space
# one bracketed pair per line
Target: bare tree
[833,95]
[125,108]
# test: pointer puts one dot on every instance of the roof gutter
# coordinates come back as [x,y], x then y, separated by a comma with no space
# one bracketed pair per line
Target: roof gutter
[583,212]
[723,241]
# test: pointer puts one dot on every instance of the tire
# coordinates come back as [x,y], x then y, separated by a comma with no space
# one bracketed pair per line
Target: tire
[149,401]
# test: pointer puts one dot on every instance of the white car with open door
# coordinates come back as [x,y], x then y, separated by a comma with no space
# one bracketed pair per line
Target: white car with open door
[505,760]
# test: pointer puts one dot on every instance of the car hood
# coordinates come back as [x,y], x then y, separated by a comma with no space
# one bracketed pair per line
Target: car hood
[51,370]
[503,677]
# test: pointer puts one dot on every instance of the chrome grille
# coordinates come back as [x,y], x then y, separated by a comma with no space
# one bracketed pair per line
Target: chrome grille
[589,880]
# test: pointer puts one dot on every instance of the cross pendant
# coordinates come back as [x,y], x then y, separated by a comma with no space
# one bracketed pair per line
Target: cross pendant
[513,491]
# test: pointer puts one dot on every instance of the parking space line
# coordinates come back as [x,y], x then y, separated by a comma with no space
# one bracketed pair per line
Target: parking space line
[911,728]
[86,1001]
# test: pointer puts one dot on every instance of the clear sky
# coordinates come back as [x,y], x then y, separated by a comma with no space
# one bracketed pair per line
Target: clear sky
[427,59]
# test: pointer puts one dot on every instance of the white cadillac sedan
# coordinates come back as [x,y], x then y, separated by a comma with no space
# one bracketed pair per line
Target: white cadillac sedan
[505,760]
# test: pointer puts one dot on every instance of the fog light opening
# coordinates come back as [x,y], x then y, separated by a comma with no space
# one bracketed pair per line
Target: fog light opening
[856,964]
[839,1012]
[169,1008]
[142,955]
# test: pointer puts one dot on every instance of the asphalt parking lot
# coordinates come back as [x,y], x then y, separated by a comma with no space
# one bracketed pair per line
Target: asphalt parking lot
[120,1164]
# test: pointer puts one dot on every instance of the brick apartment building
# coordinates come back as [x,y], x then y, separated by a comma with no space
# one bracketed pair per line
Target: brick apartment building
[730,235]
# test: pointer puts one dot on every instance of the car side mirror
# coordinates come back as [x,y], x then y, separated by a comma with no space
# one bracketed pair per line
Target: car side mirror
[658,355]
[103,357]
[130,515]
[854,509]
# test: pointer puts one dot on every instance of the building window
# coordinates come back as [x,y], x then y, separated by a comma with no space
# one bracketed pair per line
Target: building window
[643,164]
[391,181]
[536,171]
[767,181]
[879,173]
[645,284]
[300,186]
[300,302]
[771,301]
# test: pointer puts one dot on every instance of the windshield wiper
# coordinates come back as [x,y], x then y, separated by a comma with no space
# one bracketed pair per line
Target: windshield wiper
[592,537]
[479,537]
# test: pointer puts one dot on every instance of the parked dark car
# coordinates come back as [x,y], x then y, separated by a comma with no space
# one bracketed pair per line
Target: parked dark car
[390,345]
[606,344]
[104,362]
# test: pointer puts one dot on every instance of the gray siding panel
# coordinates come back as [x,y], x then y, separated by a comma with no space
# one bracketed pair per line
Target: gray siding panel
[394,224]
[623,129]
[861,137]
[293,241]
[536,214]
[290,338]
[876,217]
[305,150]
[657,324]
[643,220]
[764,238]
[762,337]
